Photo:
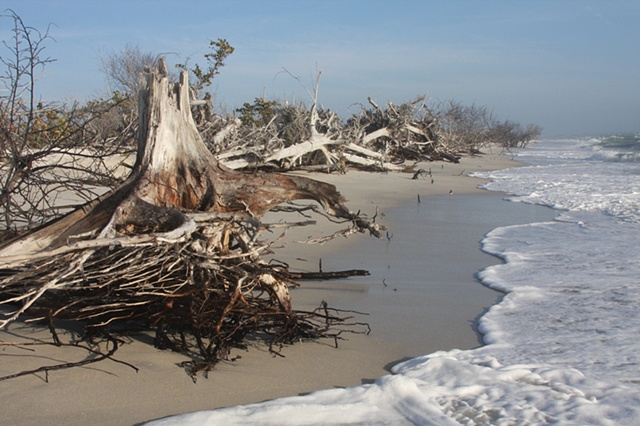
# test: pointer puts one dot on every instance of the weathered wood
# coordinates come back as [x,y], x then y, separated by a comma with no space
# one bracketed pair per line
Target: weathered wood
[174,247]
[175,170]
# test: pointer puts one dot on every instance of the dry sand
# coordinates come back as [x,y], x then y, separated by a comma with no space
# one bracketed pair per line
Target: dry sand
[112,393]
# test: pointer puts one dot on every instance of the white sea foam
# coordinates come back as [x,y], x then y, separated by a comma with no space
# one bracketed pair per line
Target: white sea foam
[561,346]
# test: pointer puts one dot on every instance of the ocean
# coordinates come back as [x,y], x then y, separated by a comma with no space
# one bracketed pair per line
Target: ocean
[560,347]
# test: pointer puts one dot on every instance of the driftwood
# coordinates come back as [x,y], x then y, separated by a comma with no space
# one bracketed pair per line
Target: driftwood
[376,139]
[175,248]
[327,275]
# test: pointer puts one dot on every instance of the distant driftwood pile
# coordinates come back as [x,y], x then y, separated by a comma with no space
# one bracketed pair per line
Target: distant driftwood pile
[376,139]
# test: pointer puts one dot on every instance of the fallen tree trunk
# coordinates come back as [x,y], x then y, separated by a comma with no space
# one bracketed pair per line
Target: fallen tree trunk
[137,253]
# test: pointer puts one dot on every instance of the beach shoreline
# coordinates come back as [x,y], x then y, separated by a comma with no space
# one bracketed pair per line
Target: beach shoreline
[112,393]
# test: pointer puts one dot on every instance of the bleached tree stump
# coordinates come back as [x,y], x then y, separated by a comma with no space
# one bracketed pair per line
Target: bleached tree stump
[215,275]
[175,173]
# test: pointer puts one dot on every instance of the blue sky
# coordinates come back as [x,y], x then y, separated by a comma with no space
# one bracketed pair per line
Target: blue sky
[572,67]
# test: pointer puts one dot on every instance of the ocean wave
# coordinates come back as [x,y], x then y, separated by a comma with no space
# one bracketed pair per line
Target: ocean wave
[622,148]
[578,175]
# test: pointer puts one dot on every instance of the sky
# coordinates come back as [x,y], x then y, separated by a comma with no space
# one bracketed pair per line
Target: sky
[569,66]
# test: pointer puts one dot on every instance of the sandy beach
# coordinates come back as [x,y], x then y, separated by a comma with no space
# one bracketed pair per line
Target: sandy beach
[420,297]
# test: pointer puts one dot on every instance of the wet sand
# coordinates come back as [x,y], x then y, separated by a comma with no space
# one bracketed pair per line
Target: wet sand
[421,297]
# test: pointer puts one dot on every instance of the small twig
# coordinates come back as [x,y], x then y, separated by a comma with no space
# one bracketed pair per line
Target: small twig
[100,356]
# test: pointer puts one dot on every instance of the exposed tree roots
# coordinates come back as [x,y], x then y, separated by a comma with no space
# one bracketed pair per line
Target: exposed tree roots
[201,297]
[94,354]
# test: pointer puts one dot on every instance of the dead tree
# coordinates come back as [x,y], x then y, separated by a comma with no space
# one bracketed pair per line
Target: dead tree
[175,247]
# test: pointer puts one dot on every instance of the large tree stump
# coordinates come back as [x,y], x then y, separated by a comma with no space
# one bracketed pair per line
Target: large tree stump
[174,246]
[175,170]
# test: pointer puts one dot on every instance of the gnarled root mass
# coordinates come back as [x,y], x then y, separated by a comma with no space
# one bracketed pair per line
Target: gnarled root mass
[202,295]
